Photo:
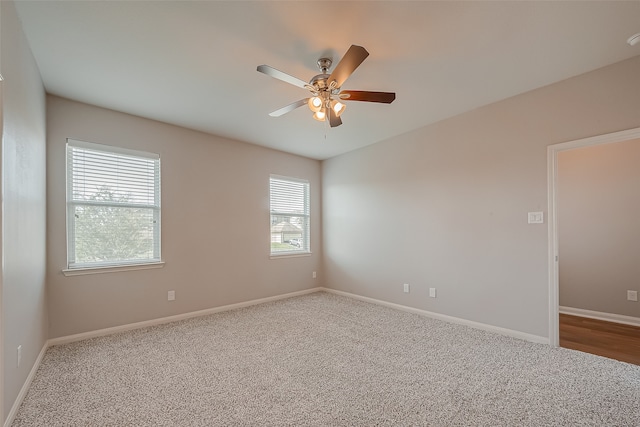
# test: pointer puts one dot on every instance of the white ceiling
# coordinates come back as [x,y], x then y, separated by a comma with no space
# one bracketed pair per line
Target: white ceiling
[193,64]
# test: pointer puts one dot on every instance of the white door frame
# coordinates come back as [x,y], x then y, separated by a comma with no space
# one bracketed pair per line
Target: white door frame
[2,420]
[552,170]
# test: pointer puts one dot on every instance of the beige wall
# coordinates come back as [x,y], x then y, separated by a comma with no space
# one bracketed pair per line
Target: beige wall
[446,205]
[24,206]
[215,223]
[599,227]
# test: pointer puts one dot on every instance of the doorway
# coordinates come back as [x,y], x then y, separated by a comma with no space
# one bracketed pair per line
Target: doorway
[553,153]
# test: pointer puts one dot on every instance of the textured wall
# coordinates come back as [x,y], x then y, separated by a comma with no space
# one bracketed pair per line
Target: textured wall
[599,227]
[446,205]
[24,205]
[215,223]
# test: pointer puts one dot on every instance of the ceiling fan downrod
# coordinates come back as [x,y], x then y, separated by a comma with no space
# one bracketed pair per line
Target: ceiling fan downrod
[324,64]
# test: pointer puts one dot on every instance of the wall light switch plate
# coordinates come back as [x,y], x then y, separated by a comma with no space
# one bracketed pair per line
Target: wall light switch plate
[536,218]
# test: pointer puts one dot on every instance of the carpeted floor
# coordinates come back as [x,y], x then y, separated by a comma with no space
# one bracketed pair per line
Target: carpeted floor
[325,360]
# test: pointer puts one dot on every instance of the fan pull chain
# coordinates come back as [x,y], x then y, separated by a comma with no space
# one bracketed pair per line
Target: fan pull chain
[326,127]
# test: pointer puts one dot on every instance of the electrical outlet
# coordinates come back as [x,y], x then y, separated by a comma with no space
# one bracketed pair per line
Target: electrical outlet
[535,218]
[18,356]
[406,288]
[432,292]
[171,296]
[313,275]
[632,295]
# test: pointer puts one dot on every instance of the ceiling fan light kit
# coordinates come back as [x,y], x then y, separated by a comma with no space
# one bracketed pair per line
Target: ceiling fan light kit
[326,88]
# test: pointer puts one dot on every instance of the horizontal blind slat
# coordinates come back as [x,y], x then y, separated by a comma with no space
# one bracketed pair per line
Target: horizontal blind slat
[114,205]
[289,207]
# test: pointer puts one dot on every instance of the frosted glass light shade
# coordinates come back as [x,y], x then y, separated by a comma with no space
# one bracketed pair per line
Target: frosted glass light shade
[315,103]
[320,115]
[338,107]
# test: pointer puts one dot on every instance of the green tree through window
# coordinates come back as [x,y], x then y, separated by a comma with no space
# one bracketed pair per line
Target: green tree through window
[113,206]
[109,233]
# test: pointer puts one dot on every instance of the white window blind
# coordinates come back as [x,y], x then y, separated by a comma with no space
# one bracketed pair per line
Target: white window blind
[113,206]
[290,219]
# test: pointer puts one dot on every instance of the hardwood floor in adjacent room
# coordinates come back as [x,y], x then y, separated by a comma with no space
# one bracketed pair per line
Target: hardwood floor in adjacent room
[608,339]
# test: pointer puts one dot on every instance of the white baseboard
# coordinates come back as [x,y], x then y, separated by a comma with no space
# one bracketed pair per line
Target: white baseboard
[162,320]
[177,317]
[496,329]
[25,387]
[607,317]
[108,331]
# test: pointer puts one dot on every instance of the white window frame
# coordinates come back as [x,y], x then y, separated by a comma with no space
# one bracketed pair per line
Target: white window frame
[74,268]
[302,217]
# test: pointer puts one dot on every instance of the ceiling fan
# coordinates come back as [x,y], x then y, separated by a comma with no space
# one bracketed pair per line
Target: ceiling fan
[325,88]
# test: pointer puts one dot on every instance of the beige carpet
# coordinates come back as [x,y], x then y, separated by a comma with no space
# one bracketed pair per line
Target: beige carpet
[325,360]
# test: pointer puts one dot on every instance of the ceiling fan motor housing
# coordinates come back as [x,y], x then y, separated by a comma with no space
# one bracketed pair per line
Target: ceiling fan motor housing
[320,81]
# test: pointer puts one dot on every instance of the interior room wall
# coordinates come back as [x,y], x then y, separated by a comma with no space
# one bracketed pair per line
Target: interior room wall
[598,228]
[445,206]
[23,177]
[215,223]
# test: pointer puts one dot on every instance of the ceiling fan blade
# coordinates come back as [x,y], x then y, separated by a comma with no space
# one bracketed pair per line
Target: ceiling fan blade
[290,107]
[334,120]
[363,95]
[350,61]
[270,71]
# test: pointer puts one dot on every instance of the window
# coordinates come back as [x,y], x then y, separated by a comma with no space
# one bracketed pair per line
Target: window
[289,201]
[113,206]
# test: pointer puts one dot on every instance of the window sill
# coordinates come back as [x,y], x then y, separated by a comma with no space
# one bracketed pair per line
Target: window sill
[289,255]
[111,268]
